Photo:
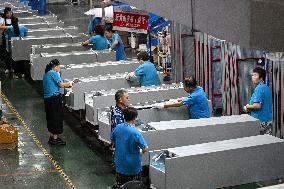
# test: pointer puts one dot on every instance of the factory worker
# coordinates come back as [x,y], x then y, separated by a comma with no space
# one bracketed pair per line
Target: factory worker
[196,101]
[95,21]
[122,101]
[146,72]
[53,101]
[260,104]
[128,143]
[116,43]
[6,20]
[98,41]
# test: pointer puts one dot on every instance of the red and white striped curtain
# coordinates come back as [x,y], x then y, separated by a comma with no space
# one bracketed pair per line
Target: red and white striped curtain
[203,62]
[278,94]
[229,79]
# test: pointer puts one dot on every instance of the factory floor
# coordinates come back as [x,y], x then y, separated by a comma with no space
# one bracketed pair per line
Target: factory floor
[81,164]
[34,163]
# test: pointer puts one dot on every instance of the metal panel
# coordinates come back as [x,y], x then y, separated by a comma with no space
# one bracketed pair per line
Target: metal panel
[279,186]
[138,95]
[117,81]
[38,62]
[25,13]
[144,115]
[64,47]
[223,163]
[188,132]
[33,26]
[96,69]
[52,31]
[21,47]
[38,19]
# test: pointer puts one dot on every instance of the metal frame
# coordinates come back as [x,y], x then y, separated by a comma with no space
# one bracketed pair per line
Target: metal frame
[219,164]
[21,46]
[39,61]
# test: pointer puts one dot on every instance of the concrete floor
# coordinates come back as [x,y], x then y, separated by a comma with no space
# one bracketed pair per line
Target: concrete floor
[82,160]
[28,167]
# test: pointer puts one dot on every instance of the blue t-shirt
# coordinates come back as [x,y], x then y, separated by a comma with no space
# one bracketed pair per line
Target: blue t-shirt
[99,42]
[148,74]
[128,142]
[117,116]
[50,84]
[197,104]
[262,95]
[120,53]
[9,32]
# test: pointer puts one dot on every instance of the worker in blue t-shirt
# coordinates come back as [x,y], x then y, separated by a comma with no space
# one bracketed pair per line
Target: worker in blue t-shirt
[128,143]
[53,101]
[99,41]
[196,101]
[260,104]
[146,72]
[116,43]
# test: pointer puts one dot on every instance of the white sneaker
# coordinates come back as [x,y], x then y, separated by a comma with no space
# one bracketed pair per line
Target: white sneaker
[6,71]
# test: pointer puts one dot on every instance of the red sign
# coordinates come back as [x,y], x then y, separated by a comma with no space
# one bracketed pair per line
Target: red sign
[130,20]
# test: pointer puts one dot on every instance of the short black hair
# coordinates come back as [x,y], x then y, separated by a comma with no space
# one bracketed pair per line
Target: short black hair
[119,94]
[99,29]
[6,10]
[51,64]
[109,28]
[190,82]
[130,113]
[260,71]
[143,55]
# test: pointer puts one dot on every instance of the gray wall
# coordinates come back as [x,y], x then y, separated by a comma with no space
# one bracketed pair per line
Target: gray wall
[255,24]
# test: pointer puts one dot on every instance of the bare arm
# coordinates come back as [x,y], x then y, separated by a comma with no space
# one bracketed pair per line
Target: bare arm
[254,106]
[2,26]
[85,43]
[173,104]
[145,150]
[65,85]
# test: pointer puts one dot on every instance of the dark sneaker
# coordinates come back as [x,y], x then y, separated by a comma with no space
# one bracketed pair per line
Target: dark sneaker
[57,141]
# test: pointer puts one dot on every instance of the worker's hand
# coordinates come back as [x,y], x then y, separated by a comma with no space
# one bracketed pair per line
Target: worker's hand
[246,108]
[130,76]
[158,105]
[110,49]
[70,84]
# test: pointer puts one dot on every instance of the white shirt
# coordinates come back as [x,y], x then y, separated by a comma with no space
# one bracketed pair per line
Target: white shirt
[8,21]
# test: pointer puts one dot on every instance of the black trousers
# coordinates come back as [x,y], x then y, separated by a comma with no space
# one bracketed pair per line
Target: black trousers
[54,114]
[122,179]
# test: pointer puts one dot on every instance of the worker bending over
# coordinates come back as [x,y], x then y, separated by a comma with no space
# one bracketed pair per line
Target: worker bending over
[116,43]
[146,72]
[196,101]
[98,41]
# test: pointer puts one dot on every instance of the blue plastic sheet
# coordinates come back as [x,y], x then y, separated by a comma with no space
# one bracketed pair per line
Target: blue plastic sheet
[9,32]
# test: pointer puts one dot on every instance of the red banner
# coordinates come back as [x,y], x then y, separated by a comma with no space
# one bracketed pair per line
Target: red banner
[130,20]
